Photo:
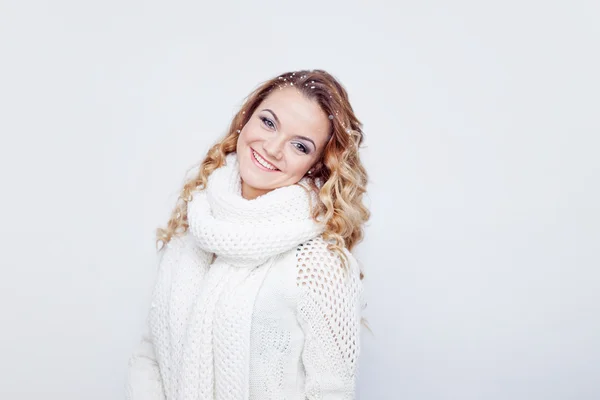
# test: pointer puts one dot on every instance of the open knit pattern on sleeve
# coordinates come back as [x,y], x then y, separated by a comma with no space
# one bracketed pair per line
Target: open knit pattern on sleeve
[329,311]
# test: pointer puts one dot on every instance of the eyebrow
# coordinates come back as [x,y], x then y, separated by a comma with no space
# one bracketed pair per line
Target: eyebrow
[298,136]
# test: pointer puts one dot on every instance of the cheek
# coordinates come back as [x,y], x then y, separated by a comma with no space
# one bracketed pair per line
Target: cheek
[244,135]
[298,166]
[249,139]
[251,132]
[246,139]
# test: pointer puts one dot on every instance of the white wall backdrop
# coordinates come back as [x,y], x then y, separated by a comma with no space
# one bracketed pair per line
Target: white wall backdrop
[482,126]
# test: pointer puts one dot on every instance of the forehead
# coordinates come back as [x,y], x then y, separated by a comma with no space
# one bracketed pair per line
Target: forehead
[297,113]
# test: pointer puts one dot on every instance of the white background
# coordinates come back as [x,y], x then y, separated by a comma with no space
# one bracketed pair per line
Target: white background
[481,121]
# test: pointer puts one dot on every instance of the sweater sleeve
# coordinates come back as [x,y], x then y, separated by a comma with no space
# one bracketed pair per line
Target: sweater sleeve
[143,376]
[144,381]
[329,312]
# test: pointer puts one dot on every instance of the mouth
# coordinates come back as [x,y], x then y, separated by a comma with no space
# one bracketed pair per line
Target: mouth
[261,162]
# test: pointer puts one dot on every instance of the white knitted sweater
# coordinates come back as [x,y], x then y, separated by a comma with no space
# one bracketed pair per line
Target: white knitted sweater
[273,324]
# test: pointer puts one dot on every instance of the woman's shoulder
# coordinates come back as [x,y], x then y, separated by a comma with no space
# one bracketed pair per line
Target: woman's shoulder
[328,281]
[313,265]
[317,254]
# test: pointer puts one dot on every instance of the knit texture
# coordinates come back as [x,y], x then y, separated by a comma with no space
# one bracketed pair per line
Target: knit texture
[274,316]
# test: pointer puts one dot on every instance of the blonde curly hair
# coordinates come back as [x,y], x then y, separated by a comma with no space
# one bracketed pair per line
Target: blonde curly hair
[341,177]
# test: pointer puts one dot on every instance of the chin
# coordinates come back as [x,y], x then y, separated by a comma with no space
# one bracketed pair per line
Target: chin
[253,176]
[255,180]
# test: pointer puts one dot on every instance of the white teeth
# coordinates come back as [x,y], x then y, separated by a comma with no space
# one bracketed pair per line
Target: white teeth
[262,161]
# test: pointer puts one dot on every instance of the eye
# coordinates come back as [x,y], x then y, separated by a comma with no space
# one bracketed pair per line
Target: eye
[301,147]
[267,122]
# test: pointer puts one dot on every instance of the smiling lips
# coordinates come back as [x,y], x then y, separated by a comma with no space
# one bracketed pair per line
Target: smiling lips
[261,162]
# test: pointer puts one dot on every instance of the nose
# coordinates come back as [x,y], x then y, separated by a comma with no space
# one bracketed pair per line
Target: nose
[273,146]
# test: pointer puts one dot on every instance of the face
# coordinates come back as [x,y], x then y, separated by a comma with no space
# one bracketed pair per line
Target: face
[283,139]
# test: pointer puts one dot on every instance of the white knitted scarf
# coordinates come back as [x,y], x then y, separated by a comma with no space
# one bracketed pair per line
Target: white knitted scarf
[191,343]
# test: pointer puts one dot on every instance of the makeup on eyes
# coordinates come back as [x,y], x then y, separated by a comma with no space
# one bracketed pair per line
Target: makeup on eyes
[266,121]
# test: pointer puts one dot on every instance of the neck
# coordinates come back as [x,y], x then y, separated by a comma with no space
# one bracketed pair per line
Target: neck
[250,193]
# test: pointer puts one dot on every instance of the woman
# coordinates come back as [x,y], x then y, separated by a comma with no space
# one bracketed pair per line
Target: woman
[257,294]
